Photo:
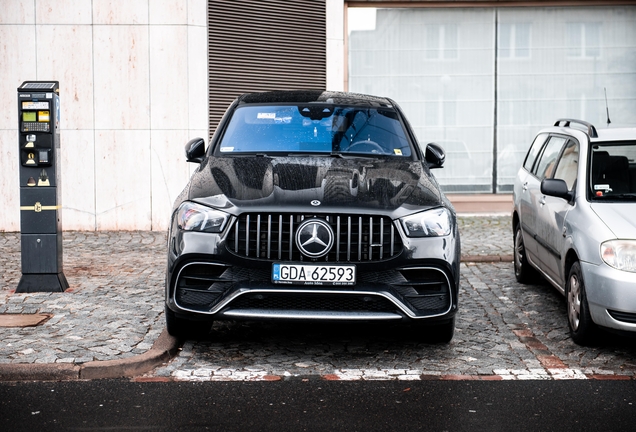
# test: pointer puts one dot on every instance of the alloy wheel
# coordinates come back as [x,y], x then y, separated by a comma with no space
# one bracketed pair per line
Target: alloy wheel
[574,302]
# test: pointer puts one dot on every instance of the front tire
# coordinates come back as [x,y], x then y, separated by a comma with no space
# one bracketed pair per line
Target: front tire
[582,329]
[523,271]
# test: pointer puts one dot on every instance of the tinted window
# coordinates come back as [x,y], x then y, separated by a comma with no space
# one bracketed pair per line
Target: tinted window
[534,151]
[315,128]
[613,170]
[547,162]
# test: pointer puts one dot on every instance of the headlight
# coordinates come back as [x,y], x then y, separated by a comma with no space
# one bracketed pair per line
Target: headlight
[431,223]
[195,217]
[620,254]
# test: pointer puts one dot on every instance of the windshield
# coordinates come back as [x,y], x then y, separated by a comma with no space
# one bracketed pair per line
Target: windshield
[315,128]
[613,171]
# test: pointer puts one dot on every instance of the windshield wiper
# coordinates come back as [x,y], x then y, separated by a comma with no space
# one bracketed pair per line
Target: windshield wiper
[332,154]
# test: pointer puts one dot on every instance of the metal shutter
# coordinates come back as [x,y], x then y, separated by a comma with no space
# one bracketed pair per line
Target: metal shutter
[256,45]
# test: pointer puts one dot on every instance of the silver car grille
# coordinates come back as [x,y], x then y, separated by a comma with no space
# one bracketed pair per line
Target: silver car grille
[358,238]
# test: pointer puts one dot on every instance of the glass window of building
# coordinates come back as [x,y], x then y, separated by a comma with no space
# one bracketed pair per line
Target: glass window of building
[482,81]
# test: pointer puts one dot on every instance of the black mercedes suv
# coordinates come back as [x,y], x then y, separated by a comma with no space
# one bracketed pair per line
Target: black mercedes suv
[313,205]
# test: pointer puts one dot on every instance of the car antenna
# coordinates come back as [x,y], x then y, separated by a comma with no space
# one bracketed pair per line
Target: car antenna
[607,106]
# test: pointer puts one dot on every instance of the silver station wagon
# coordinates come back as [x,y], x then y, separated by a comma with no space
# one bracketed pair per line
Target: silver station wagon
[574,222]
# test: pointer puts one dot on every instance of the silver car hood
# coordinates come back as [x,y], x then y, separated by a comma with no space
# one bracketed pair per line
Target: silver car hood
[619,218]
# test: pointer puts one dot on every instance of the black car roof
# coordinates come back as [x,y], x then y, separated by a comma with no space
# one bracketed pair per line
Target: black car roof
[309,96]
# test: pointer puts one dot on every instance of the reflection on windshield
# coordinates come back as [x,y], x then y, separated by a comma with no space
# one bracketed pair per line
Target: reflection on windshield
[613,171]
[316,128]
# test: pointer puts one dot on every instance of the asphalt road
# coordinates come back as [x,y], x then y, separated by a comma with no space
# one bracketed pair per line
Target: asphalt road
[314,405]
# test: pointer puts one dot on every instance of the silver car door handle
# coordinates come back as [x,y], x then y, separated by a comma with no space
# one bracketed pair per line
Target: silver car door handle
[542,200]
[525,186]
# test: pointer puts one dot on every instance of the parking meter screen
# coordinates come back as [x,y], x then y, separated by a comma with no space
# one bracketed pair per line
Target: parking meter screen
[28,116]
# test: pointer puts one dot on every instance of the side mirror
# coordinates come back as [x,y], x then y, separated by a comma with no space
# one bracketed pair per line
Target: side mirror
[435,155]
[195,150]
[556,188]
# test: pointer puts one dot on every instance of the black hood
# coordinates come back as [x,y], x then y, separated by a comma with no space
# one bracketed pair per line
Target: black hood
[295,182]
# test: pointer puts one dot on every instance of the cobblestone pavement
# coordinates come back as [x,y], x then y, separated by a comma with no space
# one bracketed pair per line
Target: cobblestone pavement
[114,310]
[486,237]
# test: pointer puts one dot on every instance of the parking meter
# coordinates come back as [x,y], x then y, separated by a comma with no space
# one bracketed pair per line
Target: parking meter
[40,192]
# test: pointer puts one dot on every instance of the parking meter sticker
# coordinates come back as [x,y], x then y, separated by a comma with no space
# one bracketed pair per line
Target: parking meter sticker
[35,105]
[44,116]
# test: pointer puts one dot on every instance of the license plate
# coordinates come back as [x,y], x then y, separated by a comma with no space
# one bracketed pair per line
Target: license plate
[310,274]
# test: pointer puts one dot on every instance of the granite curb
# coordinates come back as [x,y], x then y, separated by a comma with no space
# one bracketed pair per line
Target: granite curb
[164,348]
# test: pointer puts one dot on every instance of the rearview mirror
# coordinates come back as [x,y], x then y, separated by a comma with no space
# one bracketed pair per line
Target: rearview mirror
[195,150]
[435,155]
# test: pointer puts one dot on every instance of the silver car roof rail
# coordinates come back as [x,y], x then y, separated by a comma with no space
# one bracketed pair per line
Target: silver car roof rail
[591,130]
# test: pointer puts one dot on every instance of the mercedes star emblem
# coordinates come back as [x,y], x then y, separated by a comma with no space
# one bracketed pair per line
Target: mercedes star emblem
[314,238]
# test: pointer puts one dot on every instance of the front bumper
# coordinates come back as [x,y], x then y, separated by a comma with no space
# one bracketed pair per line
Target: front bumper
[611,295]
[205,281]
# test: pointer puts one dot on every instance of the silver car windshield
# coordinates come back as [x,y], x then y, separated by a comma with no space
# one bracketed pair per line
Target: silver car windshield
[613,171]
[315,128]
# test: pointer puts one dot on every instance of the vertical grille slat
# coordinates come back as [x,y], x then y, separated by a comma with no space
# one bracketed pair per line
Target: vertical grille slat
[237,224]
[360,238]
[392,239]
[291,236]
[247,236]
[338,238]
[349,238]
[356,238]
[258,236]
[280,236]
[370,237]
[269,236]
[381,239]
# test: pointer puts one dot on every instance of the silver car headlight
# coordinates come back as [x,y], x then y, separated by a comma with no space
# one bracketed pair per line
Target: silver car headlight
[195,217]
[620,254]
[430,223]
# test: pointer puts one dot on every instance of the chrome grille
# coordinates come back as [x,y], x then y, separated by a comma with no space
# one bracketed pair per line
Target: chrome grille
[358,238]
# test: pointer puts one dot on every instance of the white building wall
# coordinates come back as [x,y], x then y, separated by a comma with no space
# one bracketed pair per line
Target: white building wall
[133,90]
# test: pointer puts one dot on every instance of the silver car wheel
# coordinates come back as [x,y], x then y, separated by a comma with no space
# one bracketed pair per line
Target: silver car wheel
[519,251]
[574,302]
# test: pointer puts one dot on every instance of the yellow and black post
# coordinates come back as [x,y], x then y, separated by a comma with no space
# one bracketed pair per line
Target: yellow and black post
[40,191]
